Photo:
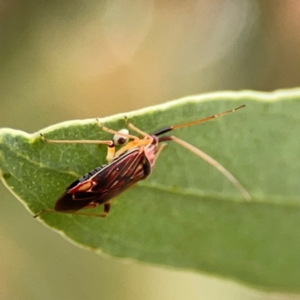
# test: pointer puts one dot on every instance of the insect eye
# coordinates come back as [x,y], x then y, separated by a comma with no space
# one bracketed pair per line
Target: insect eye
[120,139]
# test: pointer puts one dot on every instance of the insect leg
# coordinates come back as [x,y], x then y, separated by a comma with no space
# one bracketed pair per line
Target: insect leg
[160,149]
[100,142]
[110,154]
[211,161]
[39,213]
[106,208]
[103,215]
[133,128]
[129,136]
[110,145]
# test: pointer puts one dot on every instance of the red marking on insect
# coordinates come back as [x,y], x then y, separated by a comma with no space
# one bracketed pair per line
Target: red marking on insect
[133,162]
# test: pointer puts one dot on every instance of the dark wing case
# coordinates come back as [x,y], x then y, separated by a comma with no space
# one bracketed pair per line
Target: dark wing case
[105,182]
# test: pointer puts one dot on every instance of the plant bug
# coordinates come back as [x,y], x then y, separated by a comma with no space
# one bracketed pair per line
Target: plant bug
[134,161]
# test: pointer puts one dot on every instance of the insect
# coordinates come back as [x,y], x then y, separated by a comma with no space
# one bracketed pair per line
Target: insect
[134,161]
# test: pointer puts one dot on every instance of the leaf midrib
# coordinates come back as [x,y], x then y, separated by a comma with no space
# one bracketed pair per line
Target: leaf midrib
[272,199]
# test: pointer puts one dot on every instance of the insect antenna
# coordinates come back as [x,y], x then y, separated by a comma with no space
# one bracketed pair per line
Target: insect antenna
[168,129]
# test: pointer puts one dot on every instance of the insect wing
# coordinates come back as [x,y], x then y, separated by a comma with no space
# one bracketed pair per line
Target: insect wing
[105,184]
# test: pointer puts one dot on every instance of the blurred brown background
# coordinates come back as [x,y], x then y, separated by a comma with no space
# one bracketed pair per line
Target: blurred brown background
[62,60]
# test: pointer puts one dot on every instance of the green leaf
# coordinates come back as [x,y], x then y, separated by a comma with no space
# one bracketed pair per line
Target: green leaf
[186,214]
